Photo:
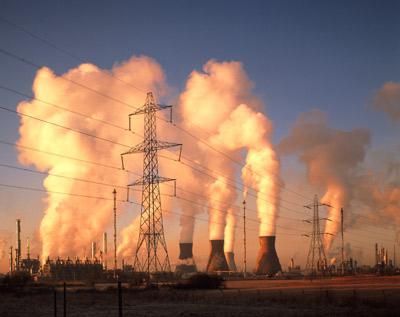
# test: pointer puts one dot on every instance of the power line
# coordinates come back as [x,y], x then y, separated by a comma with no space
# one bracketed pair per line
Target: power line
[36,66]
[124,187]
[106,140]
[111,199]
[167,195]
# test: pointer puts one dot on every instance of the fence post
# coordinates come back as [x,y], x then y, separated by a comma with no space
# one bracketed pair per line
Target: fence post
[65,299]
[55,301]
[119,299]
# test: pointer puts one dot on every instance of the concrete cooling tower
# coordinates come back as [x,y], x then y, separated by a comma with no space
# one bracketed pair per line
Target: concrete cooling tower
[186,261]
[230,258]
[217,260]
[267,260]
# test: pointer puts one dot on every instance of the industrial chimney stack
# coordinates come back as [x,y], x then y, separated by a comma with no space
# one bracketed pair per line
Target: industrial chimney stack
[18,249]
[217,260]
[230,258]
[105,250]
[186,261]
[267,260]
[93,251]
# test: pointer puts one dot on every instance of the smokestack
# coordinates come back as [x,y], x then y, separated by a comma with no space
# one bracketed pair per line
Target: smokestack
[18,249]
[217,260]
[230,258]
[291,266]
[105,250]
[267,260]
[28,249]
[11,260]
[376,254]
[187,264]
[93,251]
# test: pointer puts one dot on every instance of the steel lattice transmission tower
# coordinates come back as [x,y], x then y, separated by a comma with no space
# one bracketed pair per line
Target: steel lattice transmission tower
[151,243]
[316,259]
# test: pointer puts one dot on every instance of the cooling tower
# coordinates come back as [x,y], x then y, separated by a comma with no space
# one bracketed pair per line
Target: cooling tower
[267,260]
[230,258]
[186,251]
[186,262]
[217,260]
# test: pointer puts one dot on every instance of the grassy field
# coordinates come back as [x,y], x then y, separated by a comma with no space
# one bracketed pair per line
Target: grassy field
[361,296]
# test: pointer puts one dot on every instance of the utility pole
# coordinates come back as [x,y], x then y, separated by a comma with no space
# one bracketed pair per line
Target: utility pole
[105,250]
[151,230]
[342,229]
[11,260]
[394,255]
[18,249]
[115,232]
[316,259]
[244,239]
[28,248]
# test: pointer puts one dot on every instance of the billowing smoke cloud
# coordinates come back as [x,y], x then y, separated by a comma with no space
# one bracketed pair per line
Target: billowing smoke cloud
[129,235]
[335,254]
[71,223]
[219,100]
[382,200]
[387,99]
[4,251]
[332,158]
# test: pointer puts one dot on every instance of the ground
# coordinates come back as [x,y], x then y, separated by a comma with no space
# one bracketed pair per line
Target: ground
[350,296]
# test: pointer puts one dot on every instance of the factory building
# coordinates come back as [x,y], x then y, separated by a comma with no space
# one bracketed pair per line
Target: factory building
[69,270]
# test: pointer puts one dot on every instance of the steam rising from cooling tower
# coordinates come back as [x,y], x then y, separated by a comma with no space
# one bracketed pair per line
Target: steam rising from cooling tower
[332,158]
[217,260]
[219,99]
[267,259]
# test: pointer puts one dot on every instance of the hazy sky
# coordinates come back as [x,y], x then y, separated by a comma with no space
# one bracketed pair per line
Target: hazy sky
[330,55]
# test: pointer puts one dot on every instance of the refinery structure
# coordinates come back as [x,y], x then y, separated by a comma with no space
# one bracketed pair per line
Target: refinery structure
[150,256]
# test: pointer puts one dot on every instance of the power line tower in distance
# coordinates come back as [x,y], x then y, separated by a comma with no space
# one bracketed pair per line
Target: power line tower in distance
[151,252]
[316,259]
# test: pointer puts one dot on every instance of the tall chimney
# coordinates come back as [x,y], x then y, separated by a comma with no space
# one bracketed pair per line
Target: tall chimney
[18,249]
[11,260]
[186,261]
[217,260]
[230,258]
[105,250]
[93,251]
[376,254]
[28,248]
[267,260]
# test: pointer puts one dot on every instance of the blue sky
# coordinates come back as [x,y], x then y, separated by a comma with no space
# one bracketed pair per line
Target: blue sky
[331,55]
[300,54]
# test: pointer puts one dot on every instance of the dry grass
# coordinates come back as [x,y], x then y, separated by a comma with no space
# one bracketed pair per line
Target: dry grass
[338,297]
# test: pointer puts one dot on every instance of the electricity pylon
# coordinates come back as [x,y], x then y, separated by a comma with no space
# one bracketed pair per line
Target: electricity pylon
[151,230]
[316,259]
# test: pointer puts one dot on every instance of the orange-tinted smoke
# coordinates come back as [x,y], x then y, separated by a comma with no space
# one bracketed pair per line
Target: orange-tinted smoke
[219,100]
[332,158]
[70,223]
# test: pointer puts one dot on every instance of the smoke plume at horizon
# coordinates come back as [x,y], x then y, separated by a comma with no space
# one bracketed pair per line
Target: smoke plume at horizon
[332,158]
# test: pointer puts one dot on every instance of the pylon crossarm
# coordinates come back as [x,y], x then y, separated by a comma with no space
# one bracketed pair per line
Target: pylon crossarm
[156,180]
[138,148]
[160,145]
[152,107]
